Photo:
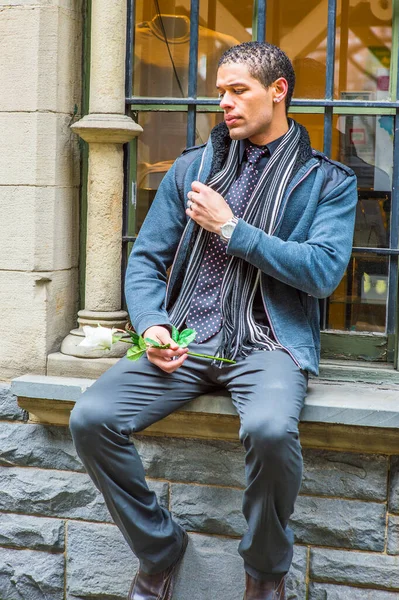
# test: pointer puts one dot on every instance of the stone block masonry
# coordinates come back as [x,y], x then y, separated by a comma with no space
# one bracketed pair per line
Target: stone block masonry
[57,540]
[41,75]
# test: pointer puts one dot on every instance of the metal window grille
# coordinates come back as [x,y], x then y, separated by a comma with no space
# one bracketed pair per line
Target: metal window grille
[328,106]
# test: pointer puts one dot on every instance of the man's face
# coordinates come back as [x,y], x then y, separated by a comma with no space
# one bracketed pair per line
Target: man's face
[249,109]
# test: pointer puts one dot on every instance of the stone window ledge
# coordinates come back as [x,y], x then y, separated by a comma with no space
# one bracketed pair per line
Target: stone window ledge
[62,365]
[346,416]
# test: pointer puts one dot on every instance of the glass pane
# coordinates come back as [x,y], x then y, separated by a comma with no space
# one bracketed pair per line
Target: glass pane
[205,123]
[364,42]
[163,139]
[365,143]
[360,301]
[299,27]
[161,49]
[223,23]
[315,126]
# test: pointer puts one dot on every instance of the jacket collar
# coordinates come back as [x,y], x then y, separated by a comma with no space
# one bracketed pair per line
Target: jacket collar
[220,141]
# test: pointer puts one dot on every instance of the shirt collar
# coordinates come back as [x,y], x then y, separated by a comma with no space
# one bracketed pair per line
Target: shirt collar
[271,147]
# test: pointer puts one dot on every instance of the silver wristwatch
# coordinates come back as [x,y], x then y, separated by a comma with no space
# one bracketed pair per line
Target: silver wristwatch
[226,230]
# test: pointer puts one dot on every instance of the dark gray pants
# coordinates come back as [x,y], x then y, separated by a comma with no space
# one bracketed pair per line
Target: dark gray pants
[267,389]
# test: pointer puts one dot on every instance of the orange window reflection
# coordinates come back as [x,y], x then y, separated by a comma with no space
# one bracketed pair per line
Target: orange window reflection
[315,127]
[364,42]
[299,27]
[223,23]
[162,44]
[162,140]
[161,49]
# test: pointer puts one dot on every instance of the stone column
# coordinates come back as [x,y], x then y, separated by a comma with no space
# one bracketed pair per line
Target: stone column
[106,128]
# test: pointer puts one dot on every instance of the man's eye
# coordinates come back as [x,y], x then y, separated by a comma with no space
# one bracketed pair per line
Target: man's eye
[238,91]
[220,95]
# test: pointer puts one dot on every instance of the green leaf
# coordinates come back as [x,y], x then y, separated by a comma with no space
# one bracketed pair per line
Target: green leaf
[142,343]
[134,353]
[152,343]
[175,334]
[116,338]
[186,337]
[134,336]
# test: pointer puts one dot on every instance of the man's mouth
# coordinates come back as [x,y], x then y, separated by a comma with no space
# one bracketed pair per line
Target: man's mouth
[230,119]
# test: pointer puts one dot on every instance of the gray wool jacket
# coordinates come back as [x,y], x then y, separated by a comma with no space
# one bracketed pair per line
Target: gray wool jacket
[303,260]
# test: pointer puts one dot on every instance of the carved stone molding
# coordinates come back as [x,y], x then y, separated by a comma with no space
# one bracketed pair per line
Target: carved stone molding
[107,128]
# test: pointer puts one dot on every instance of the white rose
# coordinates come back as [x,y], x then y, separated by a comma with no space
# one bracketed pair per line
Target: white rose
[99,338]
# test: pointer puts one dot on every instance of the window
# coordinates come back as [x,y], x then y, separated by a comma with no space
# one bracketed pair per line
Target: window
[346,96]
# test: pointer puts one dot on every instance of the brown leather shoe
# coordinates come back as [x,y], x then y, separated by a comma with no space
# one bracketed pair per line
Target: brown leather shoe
[158,586]
[263,590]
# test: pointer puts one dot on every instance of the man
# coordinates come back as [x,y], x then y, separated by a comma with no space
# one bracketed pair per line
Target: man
[256,228]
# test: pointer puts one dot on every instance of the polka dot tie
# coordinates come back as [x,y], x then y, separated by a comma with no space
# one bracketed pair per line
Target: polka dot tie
[205,315]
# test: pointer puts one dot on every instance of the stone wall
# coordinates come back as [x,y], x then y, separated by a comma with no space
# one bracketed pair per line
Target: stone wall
[40,74]
[57,540]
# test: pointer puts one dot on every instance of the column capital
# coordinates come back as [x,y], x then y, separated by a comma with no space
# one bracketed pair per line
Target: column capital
[106,128]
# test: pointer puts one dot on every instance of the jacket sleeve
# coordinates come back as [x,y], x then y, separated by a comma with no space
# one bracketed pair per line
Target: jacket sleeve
[152,255]
[317,265]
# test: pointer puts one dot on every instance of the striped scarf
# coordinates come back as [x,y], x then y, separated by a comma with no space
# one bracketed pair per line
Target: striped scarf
[241,334]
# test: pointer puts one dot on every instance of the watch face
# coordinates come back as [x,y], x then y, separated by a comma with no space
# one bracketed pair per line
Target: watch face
[227,230]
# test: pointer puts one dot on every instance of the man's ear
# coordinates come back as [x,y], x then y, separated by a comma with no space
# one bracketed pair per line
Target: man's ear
[279,89]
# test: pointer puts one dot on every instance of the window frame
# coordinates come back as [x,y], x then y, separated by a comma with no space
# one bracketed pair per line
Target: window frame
[354,345]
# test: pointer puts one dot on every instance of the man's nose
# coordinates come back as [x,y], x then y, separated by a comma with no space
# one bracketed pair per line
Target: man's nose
[226,101]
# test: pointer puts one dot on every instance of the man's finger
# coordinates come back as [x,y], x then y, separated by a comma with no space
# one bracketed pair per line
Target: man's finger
[195,200]
[160,334]
[168,366]
[192,214]
[165,339]
[191,195]
[166,354]
[173,365]
[197,186]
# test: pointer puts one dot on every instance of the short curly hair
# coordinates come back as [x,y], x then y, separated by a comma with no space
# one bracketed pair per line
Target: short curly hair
[265,62]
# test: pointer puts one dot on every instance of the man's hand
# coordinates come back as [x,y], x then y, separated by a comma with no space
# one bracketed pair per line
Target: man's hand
[165,359]
[207,208]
